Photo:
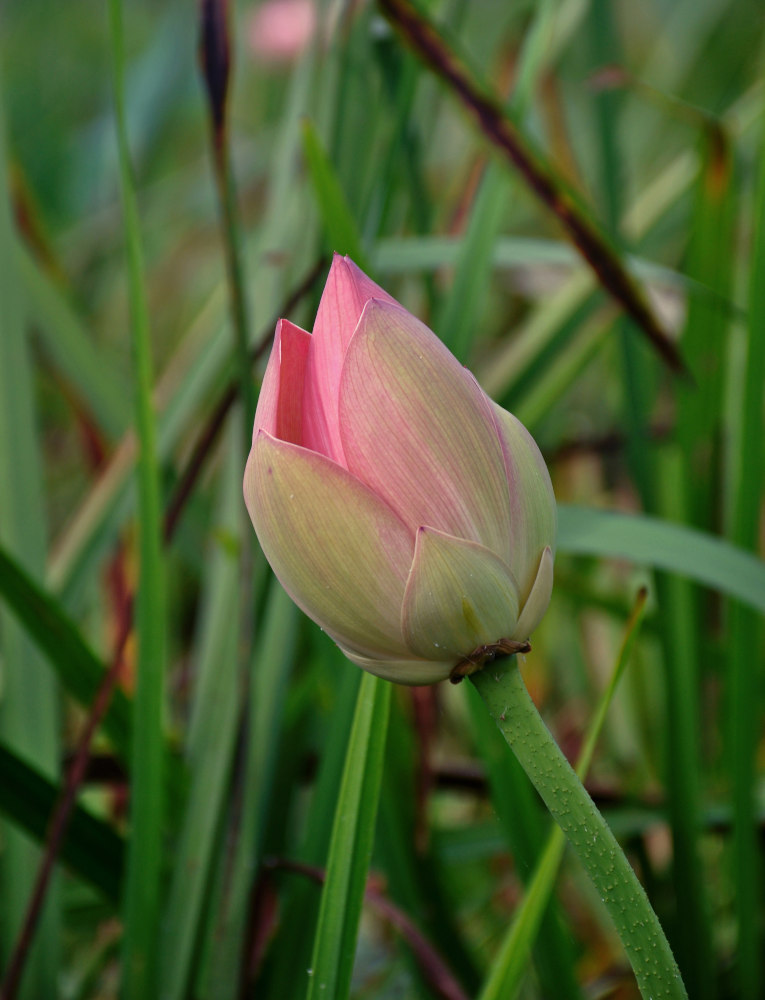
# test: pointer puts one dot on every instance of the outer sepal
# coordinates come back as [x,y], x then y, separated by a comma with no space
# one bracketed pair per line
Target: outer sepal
[338,550]
[459,596]
[533,514]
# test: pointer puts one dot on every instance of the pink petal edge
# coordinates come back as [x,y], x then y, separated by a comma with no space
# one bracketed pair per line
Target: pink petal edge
[342,302]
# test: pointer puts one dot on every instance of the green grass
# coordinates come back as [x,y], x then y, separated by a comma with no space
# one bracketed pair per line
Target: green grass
[242,761]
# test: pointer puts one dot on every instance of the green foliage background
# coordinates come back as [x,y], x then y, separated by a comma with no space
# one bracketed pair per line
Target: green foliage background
[231,717]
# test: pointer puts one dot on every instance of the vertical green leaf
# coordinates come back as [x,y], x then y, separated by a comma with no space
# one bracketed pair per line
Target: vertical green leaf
[28,710]
[339,224]
[351,845]
[683,658]
[144,863]
[456,320]
[711,257]
[744,690]
[271,666]
[287,974]
[212,734]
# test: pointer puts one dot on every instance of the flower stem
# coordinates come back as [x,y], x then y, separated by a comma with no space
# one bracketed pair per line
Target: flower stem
[502,689]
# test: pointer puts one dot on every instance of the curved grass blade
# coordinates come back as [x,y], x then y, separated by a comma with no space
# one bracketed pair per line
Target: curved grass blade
[646,540]
[77,666]
[28,700]
[91,848]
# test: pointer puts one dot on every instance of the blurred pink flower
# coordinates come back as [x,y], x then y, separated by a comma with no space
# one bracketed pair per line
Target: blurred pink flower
[278,31]
[403,510]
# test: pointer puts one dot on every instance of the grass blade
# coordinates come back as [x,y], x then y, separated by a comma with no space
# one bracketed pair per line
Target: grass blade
[744,731]
[339,224]
[214,51]
[144,864]
[91,848]
[455,321]
[351,845]
[28,709]
[212,738]
[648,541]
[271,667]
[286,977]
[67,345]
[679,623]
[78,668]
[424,38]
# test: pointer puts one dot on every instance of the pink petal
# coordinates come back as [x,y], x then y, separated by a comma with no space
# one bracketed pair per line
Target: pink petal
[345,294]
[418,430]
[459,596]
[533,514]
[338,550]
[280,403]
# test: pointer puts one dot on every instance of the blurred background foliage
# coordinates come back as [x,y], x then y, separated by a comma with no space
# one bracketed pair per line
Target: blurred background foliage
[341,138]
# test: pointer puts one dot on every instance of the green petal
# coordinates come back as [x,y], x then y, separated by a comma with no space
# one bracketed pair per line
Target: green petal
[533,514]
[402,671]
[538,600]
[459,596]
[338,550]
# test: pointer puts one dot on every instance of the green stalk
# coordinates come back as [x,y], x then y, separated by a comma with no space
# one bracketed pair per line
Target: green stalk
[142,891]
[502,689]
[507,971]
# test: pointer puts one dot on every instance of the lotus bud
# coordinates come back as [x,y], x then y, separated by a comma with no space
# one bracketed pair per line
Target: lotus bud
[406,513]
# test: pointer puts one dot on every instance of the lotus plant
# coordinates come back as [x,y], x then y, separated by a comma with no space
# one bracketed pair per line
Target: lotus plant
[414,520]
[401,509]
